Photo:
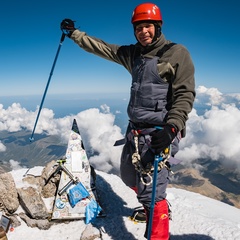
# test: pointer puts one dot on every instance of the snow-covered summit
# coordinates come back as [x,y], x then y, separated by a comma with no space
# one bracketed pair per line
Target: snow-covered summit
[194,216]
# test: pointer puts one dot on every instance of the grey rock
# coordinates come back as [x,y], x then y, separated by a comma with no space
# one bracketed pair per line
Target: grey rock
[8,193]
[32,203]
[43,224]
[91,233]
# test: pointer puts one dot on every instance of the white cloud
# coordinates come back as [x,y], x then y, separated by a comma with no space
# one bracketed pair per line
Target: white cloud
[210,96]
[97,129]
[213,135]
[14,165]
[2,147]
[101,136]
[13,118]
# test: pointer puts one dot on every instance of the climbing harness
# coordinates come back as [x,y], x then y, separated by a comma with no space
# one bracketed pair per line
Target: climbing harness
[136,160]
[149,168]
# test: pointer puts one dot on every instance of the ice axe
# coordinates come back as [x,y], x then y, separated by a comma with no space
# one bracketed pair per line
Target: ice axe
[48,82]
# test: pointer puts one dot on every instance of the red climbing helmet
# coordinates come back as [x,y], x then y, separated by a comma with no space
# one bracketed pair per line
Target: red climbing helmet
[146,11]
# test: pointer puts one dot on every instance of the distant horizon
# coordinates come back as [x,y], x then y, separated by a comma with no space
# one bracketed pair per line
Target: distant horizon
[70,104]
[84,94]
[77,100]
[76,94]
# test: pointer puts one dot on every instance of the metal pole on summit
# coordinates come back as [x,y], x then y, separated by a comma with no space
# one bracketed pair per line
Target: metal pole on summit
[48,82]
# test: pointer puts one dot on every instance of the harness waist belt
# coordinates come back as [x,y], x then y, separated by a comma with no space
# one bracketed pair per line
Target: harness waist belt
[142,125]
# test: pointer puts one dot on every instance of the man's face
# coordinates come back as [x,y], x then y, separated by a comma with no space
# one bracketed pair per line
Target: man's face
[144,33]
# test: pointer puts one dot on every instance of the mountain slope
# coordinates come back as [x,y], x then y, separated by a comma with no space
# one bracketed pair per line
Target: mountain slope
[207,184]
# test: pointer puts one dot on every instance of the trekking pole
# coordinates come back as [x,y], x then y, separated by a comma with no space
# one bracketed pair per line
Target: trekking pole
[48,82]
[157,159]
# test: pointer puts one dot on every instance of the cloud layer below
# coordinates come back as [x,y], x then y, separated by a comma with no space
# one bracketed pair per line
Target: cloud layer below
[212,129]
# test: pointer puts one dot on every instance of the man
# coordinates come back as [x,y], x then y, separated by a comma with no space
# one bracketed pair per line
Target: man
[162,95]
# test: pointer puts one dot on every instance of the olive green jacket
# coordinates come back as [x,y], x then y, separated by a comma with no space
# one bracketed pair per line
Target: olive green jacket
[175,66]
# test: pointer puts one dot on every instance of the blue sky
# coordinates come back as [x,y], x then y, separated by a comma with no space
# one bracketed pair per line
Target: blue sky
[30,37]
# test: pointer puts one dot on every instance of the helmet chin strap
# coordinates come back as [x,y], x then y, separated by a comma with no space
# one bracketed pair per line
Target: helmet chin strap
[158,31]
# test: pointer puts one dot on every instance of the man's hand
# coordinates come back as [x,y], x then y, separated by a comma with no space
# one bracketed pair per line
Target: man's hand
[67,26]
[162,138]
